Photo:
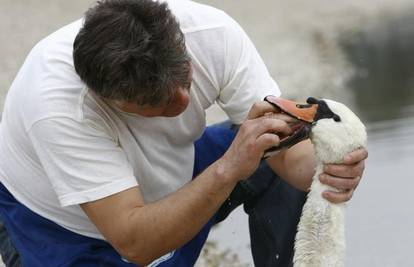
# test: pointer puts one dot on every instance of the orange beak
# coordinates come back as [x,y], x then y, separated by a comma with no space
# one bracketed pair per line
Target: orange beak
[303,112]
[306,114]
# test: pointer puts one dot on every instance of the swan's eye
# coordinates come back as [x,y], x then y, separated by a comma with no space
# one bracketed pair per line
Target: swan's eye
[336,118]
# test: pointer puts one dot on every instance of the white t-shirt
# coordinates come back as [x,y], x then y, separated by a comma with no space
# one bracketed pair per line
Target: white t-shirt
[61,145]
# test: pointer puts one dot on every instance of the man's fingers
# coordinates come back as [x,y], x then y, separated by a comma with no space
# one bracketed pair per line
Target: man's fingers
[263,125]
[338,197]
[281,116]
[267,140]
[344,177]
[342,170]
[260,108]
[262,133]
[270,125]
[356,156]
[339,183]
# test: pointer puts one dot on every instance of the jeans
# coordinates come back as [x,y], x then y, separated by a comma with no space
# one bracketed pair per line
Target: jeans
[273,206]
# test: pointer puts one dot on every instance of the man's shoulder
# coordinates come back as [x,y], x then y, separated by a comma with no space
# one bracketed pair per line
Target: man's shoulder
[47,83]
[195,16]
[59,42]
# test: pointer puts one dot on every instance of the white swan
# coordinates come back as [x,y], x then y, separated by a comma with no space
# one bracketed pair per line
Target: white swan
[335,131]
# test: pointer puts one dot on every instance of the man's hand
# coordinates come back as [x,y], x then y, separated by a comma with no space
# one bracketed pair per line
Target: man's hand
[345,177]
[258,133]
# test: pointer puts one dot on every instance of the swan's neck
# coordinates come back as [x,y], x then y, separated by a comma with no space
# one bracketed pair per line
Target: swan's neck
[317,187]
[320,241]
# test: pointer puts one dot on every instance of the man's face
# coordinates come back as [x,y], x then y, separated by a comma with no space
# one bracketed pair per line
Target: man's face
[172,109]
[177,106]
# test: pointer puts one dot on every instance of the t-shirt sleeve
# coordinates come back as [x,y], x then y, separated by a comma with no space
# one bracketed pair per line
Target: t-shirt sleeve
[82,161]
[246,78]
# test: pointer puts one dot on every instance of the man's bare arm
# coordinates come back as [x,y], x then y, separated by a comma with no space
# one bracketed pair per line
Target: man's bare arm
[143,232]
[295,165]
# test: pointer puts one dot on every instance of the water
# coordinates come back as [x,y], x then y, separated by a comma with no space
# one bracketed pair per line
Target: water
[359,52]
[380,217]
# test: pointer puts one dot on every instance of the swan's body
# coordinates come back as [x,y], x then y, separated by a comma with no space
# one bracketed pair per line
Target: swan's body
[320,240]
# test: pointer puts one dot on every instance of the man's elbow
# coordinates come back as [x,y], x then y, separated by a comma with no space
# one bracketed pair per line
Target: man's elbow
[142,247]
[303,185]
[136,253]
[139,260]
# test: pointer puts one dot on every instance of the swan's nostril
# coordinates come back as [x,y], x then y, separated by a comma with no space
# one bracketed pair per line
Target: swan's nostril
[303,105]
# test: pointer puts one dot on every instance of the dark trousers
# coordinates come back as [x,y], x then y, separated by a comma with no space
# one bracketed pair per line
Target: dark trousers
[273,206]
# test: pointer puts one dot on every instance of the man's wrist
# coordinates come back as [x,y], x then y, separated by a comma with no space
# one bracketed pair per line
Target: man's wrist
[225,173]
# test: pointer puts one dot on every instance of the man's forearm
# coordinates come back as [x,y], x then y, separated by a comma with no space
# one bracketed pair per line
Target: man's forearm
[295,165]
[169,223]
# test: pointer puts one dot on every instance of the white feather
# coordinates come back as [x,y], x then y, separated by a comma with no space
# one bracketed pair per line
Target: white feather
[320,240]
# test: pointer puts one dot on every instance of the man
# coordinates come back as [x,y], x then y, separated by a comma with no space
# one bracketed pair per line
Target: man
[97,153]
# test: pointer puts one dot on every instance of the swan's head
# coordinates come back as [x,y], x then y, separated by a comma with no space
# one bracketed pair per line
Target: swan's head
[332,127]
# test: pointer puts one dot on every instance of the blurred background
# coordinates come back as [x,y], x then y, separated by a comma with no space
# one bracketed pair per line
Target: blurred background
[358,52]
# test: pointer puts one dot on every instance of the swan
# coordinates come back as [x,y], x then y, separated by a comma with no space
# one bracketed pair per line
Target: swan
[334,131]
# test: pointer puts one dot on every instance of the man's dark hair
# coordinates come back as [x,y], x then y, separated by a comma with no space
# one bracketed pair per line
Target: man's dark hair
[132,50]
